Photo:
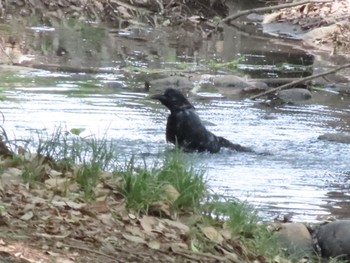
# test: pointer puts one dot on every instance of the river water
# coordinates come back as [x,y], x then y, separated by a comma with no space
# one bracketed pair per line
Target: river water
[300,174]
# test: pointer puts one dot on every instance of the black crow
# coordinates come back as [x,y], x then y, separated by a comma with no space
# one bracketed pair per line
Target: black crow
[185,129]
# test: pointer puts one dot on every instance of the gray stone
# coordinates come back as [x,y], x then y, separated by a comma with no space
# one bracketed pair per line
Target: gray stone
[230,81]
[342,88]
[235,82]
[341,137]
[294,95]
[334,239]
[175,82]
[296,238]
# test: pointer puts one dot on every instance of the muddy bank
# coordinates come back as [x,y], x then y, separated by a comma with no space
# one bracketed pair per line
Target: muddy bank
[118,13]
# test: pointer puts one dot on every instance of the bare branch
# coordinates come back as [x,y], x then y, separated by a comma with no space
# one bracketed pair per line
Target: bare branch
[300,81]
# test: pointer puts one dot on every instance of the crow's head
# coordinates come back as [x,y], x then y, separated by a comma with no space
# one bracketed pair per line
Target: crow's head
[174,100]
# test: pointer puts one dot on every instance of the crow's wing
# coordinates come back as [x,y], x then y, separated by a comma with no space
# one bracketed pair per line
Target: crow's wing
[187,130]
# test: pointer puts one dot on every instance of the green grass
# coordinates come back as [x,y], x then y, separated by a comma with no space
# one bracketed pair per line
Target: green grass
[144,186]
[141,187]
[189,182]
[63,150]
[242,219]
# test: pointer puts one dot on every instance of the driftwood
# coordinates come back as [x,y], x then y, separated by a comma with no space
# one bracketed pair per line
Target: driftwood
[302,80]
[270,8]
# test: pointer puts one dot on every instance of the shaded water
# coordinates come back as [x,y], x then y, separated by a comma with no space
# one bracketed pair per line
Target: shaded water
[301,175]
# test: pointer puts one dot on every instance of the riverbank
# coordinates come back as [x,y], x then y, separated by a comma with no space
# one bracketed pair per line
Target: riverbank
[58,204]
[54,209]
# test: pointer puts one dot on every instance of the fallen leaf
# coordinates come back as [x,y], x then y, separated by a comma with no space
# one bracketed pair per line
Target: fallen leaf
[69,204]
[57,184]
[107,219]
[147,223]
[212,234]
[132,216]
[54,173]
[154,245]
[27,216]
[160,208]
[178,245]
[98,207]
[170,193]
[134,239]
[176,224]
[135,231]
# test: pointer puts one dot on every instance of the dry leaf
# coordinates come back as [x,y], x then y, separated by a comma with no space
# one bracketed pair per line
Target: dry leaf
[69,204]
[98,207]
[54,173]
[132,216]
[170,193]
[154,245]
[212,234]
[147,223]
[106,219]
[160,208]
[135,231]
[176,224]
[57,184]
[27,216]
[134,239]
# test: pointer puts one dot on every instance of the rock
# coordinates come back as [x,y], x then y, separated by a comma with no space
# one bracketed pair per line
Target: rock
[334,239]
[175,82]
[294,95]
[342,88]
[341,137]
[231,81]
[296,238]
[256,86]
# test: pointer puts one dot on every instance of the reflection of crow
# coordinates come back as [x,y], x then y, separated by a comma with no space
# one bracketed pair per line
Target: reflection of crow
[184,127]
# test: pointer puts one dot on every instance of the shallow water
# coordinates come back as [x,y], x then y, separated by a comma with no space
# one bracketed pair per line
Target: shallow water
[296,176]
[291,172]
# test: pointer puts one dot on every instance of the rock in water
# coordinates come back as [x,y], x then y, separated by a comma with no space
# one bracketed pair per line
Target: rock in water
[296,238]
[334,239]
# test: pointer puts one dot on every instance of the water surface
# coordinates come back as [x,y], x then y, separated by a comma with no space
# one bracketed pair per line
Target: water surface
[292,171]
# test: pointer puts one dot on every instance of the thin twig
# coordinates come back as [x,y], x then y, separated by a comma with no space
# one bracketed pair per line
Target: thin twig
[270,8]
[301,81]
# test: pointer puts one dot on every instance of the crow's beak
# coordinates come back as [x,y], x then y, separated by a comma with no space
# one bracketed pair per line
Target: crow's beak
[158,97]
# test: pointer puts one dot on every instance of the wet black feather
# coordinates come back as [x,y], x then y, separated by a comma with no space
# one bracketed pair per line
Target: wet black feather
[185,129]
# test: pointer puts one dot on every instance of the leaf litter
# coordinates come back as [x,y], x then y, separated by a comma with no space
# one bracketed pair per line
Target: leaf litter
[51,222]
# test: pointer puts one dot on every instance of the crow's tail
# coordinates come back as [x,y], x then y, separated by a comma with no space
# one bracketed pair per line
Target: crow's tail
[233,146]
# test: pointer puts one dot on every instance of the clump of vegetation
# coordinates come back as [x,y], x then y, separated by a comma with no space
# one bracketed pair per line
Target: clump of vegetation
[143,186]
[231,65]
[65,151]
[170,188]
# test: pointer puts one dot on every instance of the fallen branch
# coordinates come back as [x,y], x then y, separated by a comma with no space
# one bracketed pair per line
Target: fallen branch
[300,81]
[270,8]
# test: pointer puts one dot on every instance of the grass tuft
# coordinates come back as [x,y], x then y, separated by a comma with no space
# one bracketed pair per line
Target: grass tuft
[144,186]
